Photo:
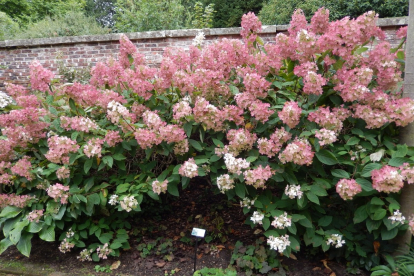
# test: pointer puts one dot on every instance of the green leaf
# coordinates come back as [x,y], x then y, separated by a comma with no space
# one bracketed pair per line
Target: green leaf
[326,157]
[366,171]
[105,238]
[234,90]
[195,144]
[87,165]
[402,151]
[353,141]
[10,212]
[361,214]
[34,227]
[172,189]
[398,161]
[185,181]
[25,244]
[72,105]
[377,201]
[266,223]
[118,157]
[108,160]
[312,197]
[153,195]
[122,188]
[4,244]
[218,143]
[94,199]
[47,234]
[379,214]
[89,183]
[365,184]
[340,173]
[15,234]
[388,234]
[240,190]
[306,223]
[325,221]
[318,190]
[188,127]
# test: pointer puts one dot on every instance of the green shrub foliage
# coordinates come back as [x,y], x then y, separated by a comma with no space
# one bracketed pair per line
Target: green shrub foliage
[302,132]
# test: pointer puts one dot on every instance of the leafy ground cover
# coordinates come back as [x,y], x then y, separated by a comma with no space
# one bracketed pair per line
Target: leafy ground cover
[169,247]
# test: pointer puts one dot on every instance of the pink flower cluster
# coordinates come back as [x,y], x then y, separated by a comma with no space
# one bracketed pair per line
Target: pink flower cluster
[290,114]
[181,147]
[23,167]
[58,191]
[181,110]
[159,187]
[240,140]
[78,123]
[325,136]
[251,25]
[387,180]
[331,120]
[5,178]
[63,173]
[15,200]
[35,216]
[272,146]
[407,172]
[189,168]
[402,32]
[117,111]
[59,149]
[93,147]
[313,83]
[257,177]
[347,188]
[112,138]
[40,77]
[235,165]
[299,152]
[103,251]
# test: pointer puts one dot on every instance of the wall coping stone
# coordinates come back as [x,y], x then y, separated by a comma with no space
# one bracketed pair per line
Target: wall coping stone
[267,29]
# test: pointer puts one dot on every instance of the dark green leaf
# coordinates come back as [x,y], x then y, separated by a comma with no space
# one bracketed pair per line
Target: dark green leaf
[87,166]
[366,171]
[340,173]
[326,157]
[195,144]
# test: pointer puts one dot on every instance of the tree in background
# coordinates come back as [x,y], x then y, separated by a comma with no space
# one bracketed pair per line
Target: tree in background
[202,16]
[102,10]
[27,11]
[279,11]
[148,15]
[229,13]
[7,26]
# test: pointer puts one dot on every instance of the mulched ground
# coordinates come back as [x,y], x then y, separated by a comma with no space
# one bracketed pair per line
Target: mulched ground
[170,233]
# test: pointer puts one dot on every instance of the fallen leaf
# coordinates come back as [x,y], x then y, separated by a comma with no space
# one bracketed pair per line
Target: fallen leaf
[198,216]
[199,256]
[231,247]
[183,260]
[316,268]
[332,274]
[220,247]
[292,256]
[160,263]
[176,238]
[376,245]
[395,274]
[115,265]
[177,270]
[257,231]
[325,263]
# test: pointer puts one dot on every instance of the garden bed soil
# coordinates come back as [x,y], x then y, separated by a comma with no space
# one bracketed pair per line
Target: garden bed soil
[199,207]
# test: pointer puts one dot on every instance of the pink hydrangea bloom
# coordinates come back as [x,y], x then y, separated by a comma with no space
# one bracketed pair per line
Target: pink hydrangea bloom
[325,136]
[59,149]
[258,176]
[181,147]
[63,173]
[40,77]
[189,168]
[181,110]
[112,138]
[58,191]
[159,187]
[407,172]
[320,21]
[272,146]
[402,32]
[78,123]
[240,140]
[23,167]
[387,180]
[35,216]
[290,114]
[297,23]
[15,200]
[93,147]
[251,25]
[347,188]
[299,152]
[327,119]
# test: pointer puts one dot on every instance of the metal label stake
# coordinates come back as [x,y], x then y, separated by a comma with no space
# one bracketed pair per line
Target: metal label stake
[198,233]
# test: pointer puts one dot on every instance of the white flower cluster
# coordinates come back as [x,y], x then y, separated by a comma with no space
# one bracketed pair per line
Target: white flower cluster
[66,246]
[376,156]
[199,39]
[335,239]
[85,255]
[397,217]
[325,136]
[103,251]
[235,165]
[225,183]
[128,203]
[247,202]
[113,199]
[189,169]
[278,243]
[88,123]
[70,233]
[5,100]
[293,191]
[115,111]
[282,221]
[257,217]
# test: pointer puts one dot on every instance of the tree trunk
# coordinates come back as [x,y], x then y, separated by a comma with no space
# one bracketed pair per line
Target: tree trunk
[407,133]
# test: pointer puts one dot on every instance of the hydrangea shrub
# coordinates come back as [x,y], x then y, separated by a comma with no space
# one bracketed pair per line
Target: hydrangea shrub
[301,131]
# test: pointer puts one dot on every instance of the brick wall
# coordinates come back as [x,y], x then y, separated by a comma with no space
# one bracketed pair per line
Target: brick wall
[84,51]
